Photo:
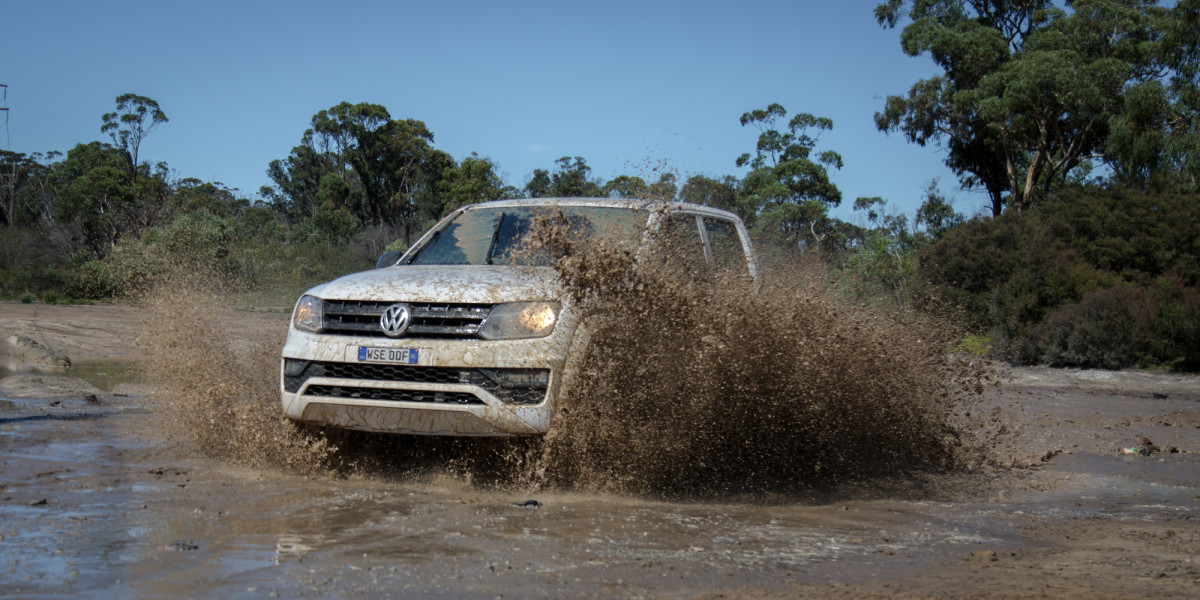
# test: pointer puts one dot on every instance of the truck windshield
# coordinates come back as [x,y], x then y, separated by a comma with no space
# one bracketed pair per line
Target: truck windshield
[494,235]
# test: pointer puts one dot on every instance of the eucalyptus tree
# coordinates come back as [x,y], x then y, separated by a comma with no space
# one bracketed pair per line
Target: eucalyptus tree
[135,118]
[95,193]
[632,186]
[626,186]
[572,179]
[787,191]
[389,166]
[538,185]
[936,214]
[665,188]
[386,155]
[297,178]
[724,193]
[28,194]
[1030,90]
[1156,138]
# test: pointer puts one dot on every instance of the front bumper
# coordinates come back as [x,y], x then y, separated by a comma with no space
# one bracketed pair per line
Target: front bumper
[457,387]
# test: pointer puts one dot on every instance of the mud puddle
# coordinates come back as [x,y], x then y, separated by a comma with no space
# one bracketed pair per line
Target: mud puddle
[98,511]
[106,375]
[103,507]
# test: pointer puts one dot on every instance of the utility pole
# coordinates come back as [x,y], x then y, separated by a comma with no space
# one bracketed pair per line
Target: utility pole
[11,176]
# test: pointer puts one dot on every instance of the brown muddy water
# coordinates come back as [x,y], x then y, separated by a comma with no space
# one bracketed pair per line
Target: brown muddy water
[94,503]
[920,481]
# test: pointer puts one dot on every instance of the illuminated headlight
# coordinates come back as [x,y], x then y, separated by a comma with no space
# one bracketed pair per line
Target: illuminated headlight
[309,314]
[519,320]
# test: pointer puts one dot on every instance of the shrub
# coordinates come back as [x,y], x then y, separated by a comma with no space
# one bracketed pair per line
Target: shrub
[35,279]
[976,345]
[195,241]
[336,225]
[1106,329]
[195,246]
[1124,326]
[1136,235]
[1063,283]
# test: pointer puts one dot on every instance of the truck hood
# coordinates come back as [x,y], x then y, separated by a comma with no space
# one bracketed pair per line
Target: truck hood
[445,283]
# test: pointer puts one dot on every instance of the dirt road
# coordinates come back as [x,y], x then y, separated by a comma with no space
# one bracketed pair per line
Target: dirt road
[94,503]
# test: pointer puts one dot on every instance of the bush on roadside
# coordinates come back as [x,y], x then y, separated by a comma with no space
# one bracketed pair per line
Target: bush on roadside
[1090,277]
[194,246]
[1125,326]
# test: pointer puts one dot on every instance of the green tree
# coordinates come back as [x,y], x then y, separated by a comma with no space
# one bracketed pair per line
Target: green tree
[28,194]
[388,165]
[935,214]
[665,188]
[470,181]
[788,190]
[1183,56]
[1156,138]
[334,191]
[298,177]
[388,156]
[94,192]
[191,194]
[626,186]
[571,179]
[538,185]
[136,116]
[721,193]
[334,224]
[1029,91]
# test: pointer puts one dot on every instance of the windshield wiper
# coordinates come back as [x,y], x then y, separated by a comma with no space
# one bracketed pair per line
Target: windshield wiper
[495,238]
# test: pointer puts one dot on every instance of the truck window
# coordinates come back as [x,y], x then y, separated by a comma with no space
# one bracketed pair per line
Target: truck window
[493,235]
[680,244]
[728,255]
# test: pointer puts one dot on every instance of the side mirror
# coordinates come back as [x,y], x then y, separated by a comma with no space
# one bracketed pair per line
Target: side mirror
[388,259]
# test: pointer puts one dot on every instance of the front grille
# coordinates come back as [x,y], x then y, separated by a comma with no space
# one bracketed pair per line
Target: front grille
[377,372]
[531,391]
[334,391]
[429,320]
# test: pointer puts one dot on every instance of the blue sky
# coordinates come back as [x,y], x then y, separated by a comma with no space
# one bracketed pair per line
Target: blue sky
[633,87]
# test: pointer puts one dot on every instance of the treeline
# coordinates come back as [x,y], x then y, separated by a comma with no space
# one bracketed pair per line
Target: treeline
[98,221]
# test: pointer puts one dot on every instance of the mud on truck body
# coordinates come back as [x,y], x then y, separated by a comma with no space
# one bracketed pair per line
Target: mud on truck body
[463,336]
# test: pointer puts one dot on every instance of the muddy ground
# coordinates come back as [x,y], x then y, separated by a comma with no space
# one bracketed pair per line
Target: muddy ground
[95,503]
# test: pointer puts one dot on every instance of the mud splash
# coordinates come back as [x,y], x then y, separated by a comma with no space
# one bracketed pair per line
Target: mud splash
[696,385]
[215,390]
[699,384]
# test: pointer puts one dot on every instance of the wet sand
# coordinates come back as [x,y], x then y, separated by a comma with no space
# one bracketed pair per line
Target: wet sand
[95,503]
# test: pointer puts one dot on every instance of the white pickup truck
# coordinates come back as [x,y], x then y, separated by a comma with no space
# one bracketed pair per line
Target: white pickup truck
[462,336]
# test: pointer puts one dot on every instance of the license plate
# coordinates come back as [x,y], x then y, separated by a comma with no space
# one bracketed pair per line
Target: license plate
[405,356]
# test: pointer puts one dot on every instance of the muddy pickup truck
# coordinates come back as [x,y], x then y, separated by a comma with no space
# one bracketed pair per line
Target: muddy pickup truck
[463,335]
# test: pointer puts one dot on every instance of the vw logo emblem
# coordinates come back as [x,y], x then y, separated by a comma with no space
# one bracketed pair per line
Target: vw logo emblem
[395,320]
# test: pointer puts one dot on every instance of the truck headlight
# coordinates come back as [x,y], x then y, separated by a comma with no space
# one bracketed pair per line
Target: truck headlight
[519,320]
[309,314]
